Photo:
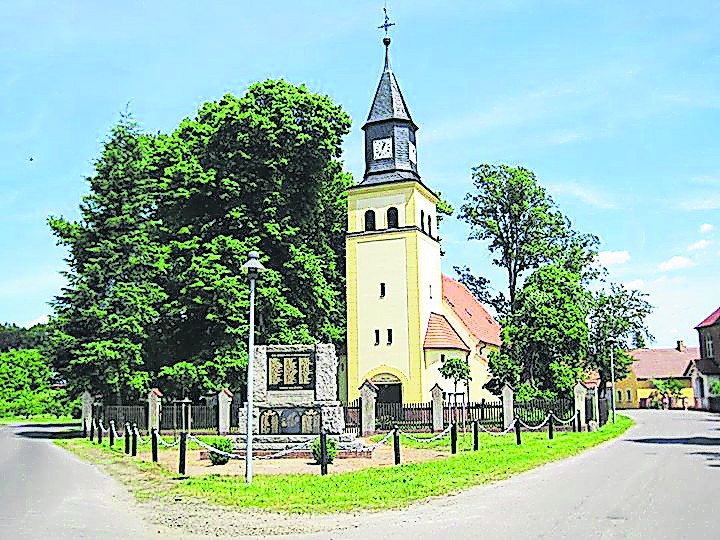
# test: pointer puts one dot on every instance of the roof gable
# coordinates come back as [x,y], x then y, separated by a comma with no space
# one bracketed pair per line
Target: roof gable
[712,319]
[471,313]
[441,335]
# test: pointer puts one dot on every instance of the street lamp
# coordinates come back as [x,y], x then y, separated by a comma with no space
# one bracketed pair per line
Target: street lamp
[612,378]
[253,267]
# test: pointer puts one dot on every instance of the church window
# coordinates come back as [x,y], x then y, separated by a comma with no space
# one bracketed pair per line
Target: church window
[377,337]
[619,395]
[370,220]
[429,226]
[392,218]
[629,395]
[708,346]
[430,291]
[389,336]
[422,220]
[382,290]
[442,358]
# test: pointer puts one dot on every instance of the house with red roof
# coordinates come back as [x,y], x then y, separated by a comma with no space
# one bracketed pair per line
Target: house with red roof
[704,370]
[637,389]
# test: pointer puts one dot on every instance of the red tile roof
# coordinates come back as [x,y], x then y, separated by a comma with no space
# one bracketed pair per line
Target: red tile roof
[712,319]
[471,312]
[441,335]
[662,363]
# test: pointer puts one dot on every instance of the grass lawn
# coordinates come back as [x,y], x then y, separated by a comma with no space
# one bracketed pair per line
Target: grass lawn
[379,488]
[39,419]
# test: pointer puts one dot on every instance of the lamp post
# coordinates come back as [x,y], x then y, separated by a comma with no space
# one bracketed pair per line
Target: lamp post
[253,267]
[612,379]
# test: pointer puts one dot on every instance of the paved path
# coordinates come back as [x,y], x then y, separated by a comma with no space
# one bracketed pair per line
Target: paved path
[660,480]
[46,492]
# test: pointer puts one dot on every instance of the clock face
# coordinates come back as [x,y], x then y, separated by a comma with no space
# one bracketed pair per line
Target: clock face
[382,148]
[412,153]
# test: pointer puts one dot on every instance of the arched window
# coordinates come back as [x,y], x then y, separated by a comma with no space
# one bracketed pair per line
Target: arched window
[392,218]
[429,225]
[422,220]
[370,220]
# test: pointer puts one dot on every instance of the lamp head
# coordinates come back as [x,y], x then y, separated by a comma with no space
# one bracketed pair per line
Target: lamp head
[253,265]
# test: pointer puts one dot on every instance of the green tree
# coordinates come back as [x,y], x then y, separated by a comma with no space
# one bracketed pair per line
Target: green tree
[670,389]
[510,210]
[456,369]
[617,316]
[25,379]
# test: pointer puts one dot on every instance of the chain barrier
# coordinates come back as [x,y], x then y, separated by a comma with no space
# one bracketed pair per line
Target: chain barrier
[574,416]
[427,440]
[497,433]
[238,456]
[534,428]
[380,442]
[101,427]
[213,449]
[287,451]
[139,437]
[112,426]
[166,444]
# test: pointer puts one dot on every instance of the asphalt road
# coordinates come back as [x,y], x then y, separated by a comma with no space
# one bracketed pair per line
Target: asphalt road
[46,492]
[660,480]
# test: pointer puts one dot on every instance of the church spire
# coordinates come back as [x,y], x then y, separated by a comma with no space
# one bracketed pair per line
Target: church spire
[390,153]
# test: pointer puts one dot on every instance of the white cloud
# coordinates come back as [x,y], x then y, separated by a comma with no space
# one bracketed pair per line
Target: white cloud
[583,193]
[635,284]
[42,319]
[676,263]
[700,244]
[706,228]
[613,258]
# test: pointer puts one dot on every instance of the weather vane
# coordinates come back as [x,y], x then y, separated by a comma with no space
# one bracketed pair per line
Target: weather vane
[387,24]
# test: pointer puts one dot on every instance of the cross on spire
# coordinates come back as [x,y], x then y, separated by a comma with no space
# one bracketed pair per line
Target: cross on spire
[387,24]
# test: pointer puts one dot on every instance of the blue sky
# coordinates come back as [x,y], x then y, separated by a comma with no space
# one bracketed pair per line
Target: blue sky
[613,104]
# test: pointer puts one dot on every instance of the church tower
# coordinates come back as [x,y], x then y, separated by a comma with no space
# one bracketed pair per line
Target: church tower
[394,280]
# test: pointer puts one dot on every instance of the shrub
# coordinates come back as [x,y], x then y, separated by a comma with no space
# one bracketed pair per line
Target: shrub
[221,443]
[331,450]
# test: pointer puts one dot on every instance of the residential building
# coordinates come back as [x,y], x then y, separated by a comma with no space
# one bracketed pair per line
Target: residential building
[637,389]
[705,369]
[404,316]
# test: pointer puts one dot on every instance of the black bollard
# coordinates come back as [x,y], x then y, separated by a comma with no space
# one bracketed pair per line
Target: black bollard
[92,429]
[517,432]
[396,444]
[476,436]
[126,435]
[154,443]
[579,422]
[100,432]
[85,429]
[550,427]
[134,440]
[323,453]
[183,452]
[112,433]
[453,438]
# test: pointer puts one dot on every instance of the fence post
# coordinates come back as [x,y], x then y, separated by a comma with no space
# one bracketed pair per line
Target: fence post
[453,438]
[517,433]
[85,429]
[580,392]
[154,441]
[134,440]
[396,444]
[437,407]
[323,453]
[112,433]
[476,441]
[86,401]
[154,400]
[578,423]
[368,393]
[126,435]
[100,432]
[224,404]
[183,451]
[482,410]
[508,406]
[550,426]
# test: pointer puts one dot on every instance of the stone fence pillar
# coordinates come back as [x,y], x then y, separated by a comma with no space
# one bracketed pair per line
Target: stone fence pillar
[508,401]
[224,403]
[438,404]
[580,395]
[368,393]
[154,399]
[87,408]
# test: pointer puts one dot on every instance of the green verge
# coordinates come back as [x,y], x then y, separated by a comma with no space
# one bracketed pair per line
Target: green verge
[38,419]
[381,488]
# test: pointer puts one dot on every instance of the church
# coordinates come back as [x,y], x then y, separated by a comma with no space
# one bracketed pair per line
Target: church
[404,316]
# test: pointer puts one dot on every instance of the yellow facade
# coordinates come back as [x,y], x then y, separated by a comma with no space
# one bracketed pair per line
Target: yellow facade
[406,261]
[632,393]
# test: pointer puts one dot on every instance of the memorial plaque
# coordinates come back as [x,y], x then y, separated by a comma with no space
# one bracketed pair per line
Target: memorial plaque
[291,371]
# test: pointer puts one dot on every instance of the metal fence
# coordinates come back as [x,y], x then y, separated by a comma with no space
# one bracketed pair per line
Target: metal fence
[488,413]
[353,417]
[120,414]
[534,411]
[409,416]
[204,418]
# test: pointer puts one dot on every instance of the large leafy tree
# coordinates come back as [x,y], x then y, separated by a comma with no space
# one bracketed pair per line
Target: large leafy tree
[155,276]
[616,322]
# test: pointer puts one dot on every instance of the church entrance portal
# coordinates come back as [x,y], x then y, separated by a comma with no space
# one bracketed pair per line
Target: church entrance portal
[389,388]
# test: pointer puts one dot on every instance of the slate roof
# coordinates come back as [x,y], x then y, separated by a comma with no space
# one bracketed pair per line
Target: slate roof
[706,366]
[473,315]
[441,335]
[389,102]
[662,363]
[712,319]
